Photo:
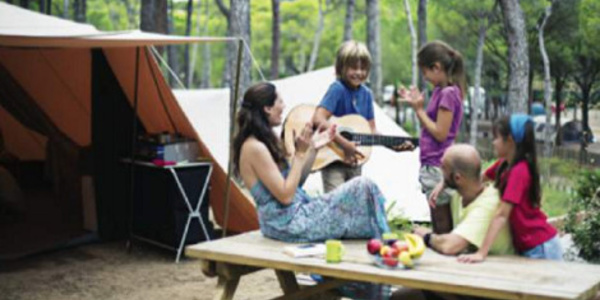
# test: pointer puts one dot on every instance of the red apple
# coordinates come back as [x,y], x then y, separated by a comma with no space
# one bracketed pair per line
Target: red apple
[401,246]
[394,252]
[390,261]
[373,246]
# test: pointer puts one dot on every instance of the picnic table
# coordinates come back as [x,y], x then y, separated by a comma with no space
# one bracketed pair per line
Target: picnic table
[500,277]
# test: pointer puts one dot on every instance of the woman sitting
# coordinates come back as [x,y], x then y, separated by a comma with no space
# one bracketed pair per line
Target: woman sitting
[285,211]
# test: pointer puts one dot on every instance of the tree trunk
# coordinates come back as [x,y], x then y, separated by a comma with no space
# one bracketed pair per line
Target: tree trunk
[194,52]
[349,19]
[24,4]
[130,14]
[49,7]
[317,41]
[422,23]
[374,45]
[205,77]
[240,27]
[42,6]
[477,85]
[188,29]
[80,11]
[153,16]
[275,47]
[413,43]
[230,47]
[413,40]
[290,66]
[586,77]
[518,86]
[530,90]
[559,83]
[206,55]
[65,9]
[547,83]
[172,55]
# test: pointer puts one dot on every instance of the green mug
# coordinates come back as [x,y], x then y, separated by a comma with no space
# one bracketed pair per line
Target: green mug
[335,251]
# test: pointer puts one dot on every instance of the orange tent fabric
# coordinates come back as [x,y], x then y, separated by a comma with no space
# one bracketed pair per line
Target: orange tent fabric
[51,59]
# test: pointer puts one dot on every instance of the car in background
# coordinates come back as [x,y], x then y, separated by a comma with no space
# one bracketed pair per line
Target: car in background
[479,106]
[388,92]
[571,130]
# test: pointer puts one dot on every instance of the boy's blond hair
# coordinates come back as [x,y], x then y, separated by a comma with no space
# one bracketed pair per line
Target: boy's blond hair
[350,54]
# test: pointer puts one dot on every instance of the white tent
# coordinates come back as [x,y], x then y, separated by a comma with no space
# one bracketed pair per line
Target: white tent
[395,173]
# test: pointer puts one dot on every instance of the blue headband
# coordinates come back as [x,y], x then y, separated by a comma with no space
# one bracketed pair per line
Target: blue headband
[517,126]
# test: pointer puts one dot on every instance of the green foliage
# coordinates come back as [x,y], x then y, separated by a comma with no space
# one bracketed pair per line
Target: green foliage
[570,31]
[558,167]
[555,202]
[590,23]
[398,223]
[410,128]
[586,231]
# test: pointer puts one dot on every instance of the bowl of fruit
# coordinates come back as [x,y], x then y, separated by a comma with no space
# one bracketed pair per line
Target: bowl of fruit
[392,253]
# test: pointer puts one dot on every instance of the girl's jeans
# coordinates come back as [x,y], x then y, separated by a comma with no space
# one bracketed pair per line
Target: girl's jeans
[551,249]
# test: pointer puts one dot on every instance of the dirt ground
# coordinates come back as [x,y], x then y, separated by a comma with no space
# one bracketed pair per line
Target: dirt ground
[107,271]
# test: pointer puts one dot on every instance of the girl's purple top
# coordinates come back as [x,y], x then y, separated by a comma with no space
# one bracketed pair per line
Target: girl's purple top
[449,98]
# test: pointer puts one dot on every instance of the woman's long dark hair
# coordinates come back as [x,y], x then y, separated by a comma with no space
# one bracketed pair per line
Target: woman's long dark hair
[525,150]
[253,121]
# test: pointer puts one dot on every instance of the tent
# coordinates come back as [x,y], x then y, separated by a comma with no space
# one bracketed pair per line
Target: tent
[67,93]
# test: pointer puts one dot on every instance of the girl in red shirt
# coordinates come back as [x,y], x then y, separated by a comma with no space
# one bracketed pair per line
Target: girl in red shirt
[517,178]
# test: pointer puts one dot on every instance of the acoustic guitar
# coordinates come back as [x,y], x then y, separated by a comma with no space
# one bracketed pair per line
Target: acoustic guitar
[354,128]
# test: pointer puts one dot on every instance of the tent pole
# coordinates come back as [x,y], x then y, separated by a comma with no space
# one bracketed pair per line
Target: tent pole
[133,144]
[233,110]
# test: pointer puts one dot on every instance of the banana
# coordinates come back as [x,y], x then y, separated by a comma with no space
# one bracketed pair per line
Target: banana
[416,245]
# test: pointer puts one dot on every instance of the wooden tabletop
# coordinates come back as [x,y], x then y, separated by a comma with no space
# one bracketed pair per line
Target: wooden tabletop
[501,277]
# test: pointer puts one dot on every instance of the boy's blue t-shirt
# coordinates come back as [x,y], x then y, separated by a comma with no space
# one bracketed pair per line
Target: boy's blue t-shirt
[342,100]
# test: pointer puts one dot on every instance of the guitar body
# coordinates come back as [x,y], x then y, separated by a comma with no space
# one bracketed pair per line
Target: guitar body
[302,114]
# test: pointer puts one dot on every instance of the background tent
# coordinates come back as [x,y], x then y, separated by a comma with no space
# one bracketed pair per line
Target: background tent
[66,97]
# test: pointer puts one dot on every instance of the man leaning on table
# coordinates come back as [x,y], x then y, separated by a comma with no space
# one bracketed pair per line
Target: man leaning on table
[473,208]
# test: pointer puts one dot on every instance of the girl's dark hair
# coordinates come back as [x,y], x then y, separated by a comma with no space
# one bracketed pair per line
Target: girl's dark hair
[525,150]
[253,121]
[450,60]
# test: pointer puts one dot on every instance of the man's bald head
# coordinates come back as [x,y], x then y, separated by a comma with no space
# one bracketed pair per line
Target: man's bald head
[463,159]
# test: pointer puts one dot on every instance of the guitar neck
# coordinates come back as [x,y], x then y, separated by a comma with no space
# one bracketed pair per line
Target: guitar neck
[380,140]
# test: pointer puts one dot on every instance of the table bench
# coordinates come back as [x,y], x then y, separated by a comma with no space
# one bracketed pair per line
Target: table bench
[500,277]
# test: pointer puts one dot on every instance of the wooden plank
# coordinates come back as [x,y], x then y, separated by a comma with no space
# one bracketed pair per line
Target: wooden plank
[231,271]
[209,268]
[226,288]
[498,277]
[287,281]
[311,291]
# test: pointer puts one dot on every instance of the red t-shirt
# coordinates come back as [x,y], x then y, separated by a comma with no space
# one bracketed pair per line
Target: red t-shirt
[528,224]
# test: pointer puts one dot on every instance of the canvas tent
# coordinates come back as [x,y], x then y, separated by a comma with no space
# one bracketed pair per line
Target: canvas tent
[66,97]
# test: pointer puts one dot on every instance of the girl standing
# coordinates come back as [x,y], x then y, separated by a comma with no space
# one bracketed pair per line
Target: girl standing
[442,66]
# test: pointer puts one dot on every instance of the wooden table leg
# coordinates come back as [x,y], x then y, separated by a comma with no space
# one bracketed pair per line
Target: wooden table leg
[287,281]
[229,277]
[226,288]
[319,291]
